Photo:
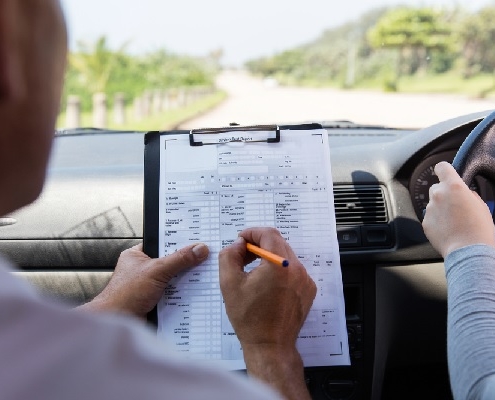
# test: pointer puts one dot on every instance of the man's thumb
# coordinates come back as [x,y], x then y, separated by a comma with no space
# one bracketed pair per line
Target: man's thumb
[187,257]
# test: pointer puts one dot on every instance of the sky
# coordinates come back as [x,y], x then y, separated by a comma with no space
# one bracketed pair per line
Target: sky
[242,29]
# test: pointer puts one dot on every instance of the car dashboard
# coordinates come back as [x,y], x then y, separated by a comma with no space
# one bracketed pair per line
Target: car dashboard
[68,241]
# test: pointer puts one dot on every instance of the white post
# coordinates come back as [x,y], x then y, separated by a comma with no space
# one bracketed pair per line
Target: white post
[99,110]
[119,109]
[73,112]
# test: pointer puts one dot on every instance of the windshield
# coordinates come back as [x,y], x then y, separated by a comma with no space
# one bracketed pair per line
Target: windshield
[156,65]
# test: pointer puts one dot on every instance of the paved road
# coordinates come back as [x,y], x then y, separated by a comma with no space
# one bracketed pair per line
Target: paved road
[253,102]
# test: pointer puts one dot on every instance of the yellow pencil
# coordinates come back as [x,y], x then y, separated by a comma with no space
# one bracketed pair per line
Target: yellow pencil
[267,255]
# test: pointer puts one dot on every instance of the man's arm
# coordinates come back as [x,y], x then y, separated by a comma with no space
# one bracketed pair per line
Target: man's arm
[138,281]
[279,367]
[267,308]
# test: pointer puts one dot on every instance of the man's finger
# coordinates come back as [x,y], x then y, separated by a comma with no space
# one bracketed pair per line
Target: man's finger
[231,263]
[182,259]
[269,239]
[261,236]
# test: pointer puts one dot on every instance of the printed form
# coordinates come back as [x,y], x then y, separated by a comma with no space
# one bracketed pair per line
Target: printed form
[212,192]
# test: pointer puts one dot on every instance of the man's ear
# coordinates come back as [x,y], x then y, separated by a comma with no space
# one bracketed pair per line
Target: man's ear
[11,83]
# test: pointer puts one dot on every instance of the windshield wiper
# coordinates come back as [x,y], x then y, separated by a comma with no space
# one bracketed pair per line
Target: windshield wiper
[89,131]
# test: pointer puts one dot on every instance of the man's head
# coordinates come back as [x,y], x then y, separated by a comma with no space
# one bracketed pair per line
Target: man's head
[33,45]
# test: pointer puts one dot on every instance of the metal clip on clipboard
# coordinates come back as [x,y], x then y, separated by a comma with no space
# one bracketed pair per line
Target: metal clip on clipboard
[272,132]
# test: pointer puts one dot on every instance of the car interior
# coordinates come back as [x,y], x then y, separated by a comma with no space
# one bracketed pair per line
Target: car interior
[135,67]
[68,241]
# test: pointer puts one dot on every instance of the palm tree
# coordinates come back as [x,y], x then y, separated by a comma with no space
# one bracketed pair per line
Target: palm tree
[95,63]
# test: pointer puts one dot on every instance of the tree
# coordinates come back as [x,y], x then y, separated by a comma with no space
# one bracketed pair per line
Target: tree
[95,63]
[94,67]
[414,33]
[339,55]
[477,35]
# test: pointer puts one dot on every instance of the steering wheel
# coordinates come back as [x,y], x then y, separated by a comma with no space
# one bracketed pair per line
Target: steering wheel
[476,156]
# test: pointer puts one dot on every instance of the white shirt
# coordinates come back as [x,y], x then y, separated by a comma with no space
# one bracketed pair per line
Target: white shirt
[48,351]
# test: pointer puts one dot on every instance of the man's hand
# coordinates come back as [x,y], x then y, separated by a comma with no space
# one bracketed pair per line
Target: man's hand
[267,308]
[455,216]
[138,281]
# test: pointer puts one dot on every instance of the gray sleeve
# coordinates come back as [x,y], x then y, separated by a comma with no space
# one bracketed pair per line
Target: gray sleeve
[471,321]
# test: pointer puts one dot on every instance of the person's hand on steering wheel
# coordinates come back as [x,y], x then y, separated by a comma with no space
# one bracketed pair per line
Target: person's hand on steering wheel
[455,216]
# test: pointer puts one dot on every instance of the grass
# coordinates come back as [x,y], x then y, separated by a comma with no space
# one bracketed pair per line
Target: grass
[164,121]
[479,86]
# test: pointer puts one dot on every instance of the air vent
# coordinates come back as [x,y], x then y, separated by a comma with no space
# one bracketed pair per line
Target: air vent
[359,205]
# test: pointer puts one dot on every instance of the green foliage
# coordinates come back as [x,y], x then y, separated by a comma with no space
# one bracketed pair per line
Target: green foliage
[94,63]
[411,28]
[415,33]
[390,85]
[287,63]
[322,61]
[477,34]
[385,44]
[96,68]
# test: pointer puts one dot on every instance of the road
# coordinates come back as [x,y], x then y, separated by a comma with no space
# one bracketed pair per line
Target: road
[252,101]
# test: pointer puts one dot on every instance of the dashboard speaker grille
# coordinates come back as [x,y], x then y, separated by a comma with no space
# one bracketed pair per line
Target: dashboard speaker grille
[360,205]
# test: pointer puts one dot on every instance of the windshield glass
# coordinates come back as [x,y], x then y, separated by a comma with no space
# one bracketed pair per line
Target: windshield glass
[152,64]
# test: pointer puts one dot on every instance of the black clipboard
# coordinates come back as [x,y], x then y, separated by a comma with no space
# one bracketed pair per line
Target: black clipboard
[152,175]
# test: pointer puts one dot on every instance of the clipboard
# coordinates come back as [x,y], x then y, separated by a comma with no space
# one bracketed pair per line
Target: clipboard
[309,150]
[152,168]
